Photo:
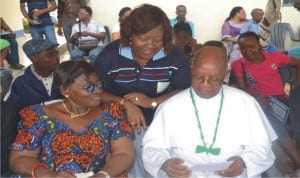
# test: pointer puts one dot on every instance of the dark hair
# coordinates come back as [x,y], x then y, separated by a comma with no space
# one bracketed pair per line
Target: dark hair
[233,12]
[215,43]
[249,34]
[143,19]
[182,26]
[67,72]
[123,10]
[87,9]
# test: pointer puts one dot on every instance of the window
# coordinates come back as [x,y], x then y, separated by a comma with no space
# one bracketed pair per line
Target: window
[287,2]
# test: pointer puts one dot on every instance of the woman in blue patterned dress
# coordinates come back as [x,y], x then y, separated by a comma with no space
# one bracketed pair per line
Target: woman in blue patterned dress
[76,135]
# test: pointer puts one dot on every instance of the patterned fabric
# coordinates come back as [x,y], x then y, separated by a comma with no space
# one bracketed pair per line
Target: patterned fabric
[62,148]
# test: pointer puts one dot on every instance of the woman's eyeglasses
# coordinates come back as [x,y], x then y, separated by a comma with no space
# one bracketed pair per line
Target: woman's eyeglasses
[91,87]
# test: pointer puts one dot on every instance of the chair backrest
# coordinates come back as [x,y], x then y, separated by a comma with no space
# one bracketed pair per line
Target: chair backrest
[107,36]
[279,33]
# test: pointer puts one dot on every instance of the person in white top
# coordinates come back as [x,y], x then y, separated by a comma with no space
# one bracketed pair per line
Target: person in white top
[89,31]
[124,12]
[209,129]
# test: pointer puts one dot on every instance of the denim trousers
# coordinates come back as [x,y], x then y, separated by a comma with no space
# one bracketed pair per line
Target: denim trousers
[67,29]
[43,30]
[78,54]
[13,55]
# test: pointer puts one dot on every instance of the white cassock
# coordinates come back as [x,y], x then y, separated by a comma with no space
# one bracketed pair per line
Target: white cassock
[243,131]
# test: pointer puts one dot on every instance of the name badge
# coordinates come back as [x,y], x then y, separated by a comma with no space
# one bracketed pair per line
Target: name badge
[161,86]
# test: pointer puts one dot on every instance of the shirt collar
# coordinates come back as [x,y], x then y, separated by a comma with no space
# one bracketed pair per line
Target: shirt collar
[38,76]
[126,52]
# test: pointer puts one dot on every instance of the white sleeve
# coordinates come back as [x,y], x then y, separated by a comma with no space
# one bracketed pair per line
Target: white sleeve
[75,29]
[257,159]
[100,28]
[155,145]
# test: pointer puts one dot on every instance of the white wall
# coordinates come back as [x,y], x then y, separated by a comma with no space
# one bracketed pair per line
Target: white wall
[207,15]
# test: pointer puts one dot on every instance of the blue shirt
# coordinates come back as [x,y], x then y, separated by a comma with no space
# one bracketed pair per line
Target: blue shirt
[28,90]
[38,4]
[122,75]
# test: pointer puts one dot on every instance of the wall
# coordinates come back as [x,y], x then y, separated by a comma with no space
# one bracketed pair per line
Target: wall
[207,15]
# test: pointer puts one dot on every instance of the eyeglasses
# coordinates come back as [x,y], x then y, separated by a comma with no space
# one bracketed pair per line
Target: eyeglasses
[91,87]
[210,80]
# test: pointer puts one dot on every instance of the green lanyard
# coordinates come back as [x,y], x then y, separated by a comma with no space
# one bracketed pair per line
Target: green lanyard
[199,148]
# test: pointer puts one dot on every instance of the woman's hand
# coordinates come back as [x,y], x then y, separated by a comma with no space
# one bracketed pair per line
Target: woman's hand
[139,99]
[174,168]
[236,168]
[135,116]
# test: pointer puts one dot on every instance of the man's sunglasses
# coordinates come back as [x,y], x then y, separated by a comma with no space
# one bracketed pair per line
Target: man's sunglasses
[91,87]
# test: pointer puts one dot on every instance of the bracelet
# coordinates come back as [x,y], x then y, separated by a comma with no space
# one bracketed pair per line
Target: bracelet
[35,166]
[105,173]
[122,101]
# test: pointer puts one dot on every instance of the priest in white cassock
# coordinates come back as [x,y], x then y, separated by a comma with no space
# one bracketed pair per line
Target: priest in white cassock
[210,129]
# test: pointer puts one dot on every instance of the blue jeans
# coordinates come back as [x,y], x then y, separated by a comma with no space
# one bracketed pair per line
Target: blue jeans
[78,54]
[67,29]
[13,55]
[43,30]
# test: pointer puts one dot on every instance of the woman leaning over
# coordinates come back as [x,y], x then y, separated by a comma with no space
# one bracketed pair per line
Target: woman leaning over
[142,69]
[74,135]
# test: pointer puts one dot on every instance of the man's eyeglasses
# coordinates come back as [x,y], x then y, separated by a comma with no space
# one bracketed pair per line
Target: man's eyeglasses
[91,87]
[210,80]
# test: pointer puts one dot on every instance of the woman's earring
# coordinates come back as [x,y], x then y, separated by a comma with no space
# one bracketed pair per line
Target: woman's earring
[66,96]
[130,41]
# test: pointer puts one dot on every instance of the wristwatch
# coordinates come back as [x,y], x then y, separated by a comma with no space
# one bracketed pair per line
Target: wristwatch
[154,104]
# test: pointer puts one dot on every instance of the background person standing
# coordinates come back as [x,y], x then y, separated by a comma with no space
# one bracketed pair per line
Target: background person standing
[38,16]
[67,12]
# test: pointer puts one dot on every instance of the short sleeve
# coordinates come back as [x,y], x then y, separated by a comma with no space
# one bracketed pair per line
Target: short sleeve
[237,69]
[279,58]
[117,121]
[225,30]
[30,131]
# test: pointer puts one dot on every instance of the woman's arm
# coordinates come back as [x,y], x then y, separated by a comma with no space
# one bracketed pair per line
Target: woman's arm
[121,158]
[26,164]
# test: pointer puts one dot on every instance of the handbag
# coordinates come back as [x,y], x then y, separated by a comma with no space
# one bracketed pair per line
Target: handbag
[279,107]
[87,44]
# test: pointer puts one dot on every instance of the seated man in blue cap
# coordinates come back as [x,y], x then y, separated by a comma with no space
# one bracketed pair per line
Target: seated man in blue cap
[34,85]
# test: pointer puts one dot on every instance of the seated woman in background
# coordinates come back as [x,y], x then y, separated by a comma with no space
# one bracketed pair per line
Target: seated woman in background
[258,74]
[231,31]
[87,36]
[75,135]
[184,40]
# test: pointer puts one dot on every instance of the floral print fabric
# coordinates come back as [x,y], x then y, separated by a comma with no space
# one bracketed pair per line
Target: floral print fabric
[62,148]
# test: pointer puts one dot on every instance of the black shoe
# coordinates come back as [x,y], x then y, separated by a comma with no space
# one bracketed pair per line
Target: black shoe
[17,66]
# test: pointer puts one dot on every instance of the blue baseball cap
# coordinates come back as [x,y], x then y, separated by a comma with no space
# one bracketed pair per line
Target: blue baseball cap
[35,46]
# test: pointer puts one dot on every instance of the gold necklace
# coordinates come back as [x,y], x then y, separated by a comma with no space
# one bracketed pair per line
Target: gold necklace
[74,115]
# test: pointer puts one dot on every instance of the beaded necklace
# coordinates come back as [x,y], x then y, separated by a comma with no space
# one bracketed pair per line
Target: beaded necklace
[204,148]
